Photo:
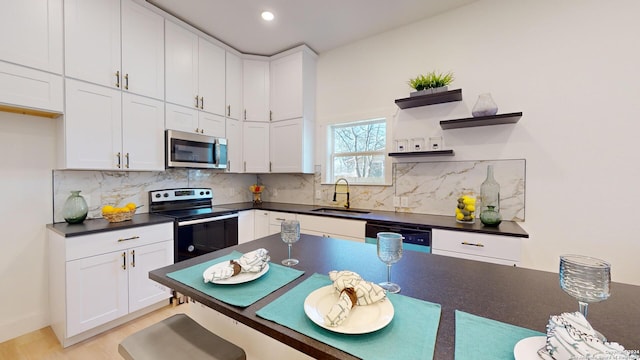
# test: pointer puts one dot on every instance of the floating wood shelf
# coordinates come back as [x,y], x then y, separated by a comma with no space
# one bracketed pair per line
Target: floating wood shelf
[430,99]
[510,118]
[448,152]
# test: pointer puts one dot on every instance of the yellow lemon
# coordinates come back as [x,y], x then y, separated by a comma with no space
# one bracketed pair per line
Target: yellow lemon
[459,216]
[108,209]
[131,206]
[458,211]
[471,208]
[469,201]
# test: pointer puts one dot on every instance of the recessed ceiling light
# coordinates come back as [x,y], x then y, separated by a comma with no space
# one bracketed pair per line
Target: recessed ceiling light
[267,15]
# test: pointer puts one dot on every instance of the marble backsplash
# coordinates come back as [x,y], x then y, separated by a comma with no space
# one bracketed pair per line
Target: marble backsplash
[430,187]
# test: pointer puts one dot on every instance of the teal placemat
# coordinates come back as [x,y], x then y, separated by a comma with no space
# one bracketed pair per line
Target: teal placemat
[243,294]
[410,335]
[481,338]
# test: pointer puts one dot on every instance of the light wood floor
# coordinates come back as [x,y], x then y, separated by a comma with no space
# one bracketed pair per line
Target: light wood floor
[43,344]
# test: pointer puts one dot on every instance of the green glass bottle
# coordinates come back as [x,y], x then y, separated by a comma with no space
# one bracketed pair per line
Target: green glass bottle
[490,200]
[75,208]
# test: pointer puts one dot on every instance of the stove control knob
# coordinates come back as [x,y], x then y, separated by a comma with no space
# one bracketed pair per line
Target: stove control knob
[207,192]
[157,195]
[166,195]
[201,193]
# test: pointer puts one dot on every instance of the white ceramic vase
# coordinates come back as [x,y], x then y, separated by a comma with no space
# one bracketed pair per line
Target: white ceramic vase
[485,106]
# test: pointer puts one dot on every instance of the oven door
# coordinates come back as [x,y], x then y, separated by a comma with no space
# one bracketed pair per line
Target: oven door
[201,236]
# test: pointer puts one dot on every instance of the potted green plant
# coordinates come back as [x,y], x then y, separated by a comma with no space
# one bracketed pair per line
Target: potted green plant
[430,83]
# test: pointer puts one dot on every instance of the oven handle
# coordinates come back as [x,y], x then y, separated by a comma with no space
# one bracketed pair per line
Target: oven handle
[209,219]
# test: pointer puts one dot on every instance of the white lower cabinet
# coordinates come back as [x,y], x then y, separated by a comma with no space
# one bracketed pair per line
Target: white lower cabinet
[497,249]
[99,281]
[276,218]
[246,227]
[326,226]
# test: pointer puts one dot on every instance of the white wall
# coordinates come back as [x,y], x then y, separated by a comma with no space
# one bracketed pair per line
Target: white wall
[571,67]
[27,146]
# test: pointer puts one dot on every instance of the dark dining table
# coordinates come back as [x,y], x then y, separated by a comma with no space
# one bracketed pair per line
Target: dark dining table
[514,295]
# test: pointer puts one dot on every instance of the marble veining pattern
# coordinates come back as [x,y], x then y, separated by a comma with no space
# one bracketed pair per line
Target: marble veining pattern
[431,187]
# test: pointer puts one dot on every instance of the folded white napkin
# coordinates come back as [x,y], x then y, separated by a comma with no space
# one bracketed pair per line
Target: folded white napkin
[570,336]
[353,291]
[253,261]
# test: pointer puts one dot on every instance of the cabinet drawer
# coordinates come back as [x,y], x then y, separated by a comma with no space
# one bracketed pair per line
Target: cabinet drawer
[275,218]
[351,229]
[89,245]
[482,245]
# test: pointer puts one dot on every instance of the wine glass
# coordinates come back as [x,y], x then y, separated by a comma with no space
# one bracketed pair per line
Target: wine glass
[290,233]
[586,279]
[389,251]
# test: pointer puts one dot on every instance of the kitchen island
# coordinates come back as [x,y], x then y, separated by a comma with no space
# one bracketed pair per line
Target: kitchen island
[518,296]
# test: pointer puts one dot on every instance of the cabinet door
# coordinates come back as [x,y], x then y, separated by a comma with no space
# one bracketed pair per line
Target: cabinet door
[255,90]
[92,40]
[96,291]
[29,88]
[181,118]
[142,133]
[211,124]
[234,86]
[181,61]
[286,87]
[496,249]
[211,73]
[93,127]
[234,146]
[286,152]
[261,225]
[142,290]
[255,147]
[246,226]
[32,34]
[142,51]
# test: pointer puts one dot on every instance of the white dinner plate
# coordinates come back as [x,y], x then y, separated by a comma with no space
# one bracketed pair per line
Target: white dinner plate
[243,277]
[361,320]
[527,348]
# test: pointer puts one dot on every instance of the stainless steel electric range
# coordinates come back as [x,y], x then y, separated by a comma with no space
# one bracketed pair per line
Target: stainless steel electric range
[199,227]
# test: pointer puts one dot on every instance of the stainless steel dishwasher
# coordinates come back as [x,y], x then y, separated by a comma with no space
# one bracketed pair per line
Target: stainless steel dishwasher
[416,237]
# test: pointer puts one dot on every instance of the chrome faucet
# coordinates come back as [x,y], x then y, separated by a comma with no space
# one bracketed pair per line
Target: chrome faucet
[335,191]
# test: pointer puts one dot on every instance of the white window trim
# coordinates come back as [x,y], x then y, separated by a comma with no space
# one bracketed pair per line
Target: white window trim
[327,171]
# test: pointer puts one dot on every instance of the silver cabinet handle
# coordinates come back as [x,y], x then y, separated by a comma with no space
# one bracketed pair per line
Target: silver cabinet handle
[197,101]
[129,238]
[124,260]
[202,102]
[133,258]
[228,110]
[119,160]
[471,244]
[118,78]
[126,156]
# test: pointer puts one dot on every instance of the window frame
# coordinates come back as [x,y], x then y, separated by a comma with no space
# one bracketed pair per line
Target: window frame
[331,155]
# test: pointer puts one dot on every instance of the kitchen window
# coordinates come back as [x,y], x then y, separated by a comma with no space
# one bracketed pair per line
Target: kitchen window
[357,152]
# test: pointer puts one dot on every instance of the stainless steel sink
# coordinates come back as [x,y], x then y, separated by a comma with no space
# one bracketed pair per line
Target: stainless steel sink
[336,210]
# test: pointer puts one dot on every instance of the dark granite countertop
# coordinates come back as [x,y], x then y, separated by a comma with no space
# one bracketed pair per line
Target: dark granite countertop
[515,295]
[92,226]
[507,228]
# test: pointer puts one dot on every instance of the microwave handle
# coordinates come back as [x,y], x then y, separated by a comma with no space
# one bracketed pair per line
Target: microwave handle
[217,153]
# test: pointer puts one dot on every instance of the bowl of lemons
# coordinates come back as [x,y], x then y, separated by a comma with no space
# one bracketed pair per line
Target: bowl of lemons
[466,209]
[117,214]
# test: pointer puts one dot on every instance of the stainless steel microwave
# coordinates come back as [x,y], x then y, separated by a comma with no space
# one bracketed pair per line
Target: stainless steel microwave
[188,150]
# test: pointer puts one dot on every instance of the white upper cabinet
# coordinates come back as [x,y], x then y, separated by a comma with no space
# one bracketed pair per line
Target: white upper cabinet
[291,146]
[95,47]
[195,71]
[255,149]
[234,86]
[255,90]
[32,34]
[92,41]
[292,84]
[130,129]
[211,77]
[31,57]
[234,145]
[142,51]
